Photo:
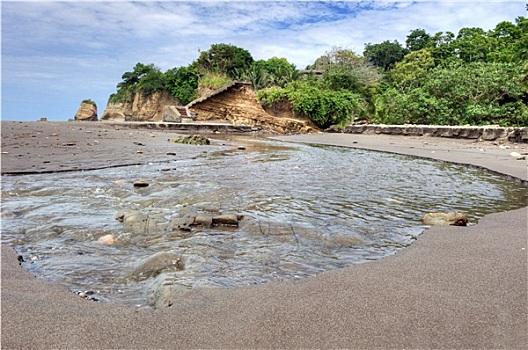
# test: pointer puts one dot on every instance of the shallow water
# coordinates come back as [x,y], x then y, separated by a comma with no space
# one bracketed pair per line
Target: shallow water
[306,209]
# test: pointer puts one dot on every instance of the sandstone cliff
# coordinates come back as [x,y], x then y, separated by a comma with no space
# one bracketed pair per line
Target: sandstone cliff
[141,109]
[237,104]
[87,112]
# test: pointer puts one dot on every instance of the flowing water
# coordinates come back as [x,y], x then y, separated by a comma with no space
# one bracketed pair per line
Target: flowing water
[306,209]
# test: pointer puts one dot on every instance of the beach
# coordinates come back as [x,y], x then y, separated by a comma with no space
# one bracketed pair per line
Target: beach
[455,287]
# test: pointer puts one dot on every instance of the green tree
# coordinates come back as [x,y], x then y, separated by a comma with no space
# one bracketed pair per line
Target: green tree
[418,39]
[384,55]
[413,70]
[223,59]
[143,78]
[443,48]
[472,44]
[182,83]
[343,69]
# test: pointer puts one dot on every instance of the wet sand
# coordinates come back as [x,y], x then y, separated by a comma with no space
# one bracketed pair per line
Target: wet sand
[455,287]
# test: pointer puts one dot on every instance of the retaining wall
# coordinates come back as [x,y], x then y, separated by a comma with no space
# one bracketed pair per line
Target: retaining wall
[490,133]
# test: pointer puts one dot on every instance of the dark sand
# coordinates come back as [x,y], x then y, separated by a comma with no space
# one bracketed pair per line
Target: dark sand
[455,287]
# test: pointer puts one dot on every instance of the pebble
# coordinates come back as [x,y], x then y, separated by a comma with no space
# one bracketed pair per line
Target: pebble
[517,155]
[88,295]
[107,239]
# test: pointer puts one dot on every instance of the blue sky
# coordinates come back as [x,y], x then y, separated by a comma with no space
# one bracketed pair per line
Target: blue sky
[56,54]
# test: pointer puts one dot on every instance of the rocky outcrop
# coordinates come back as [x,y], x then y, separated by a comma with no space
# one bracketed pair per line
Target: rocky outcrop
[140,109]
[453,219]
[191,140]
[87,112]
[237,104]
[177,226]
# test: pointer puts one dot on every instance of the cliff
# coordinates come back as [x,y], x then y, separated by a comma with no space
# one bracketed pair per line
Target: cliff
[237,104]
[141,109]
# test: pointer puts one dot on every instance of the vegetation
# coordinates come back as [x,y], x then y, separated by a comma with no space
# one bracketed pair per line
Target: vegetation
[89,101]
[473,77]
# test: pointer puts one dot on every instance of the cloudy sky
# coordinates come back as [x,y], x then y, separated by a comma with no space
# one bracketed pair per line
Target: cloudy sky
[55,54]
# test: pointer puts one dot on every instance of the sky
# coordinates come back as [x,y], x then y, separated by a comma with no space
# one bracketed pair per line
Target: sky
[57,53]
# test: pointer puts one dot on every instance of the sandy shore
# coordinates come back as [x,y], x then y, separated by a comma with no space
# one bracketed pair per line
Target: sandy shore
[455,287]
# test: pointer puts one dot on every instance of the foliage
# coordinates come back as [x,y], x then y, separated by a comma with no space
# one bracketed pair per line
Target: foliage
[223,59]
[324,107]
[182,83]
[418,39]
[384,55]
[413,70]
[145,79]
[214,81]
[477,94]
[89,101]
[267,73]
[343,69]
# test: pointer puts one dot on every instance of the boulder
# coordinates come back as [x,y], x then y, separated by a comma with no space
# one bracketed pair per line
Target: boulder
[87,112]
[165,291]
[191,140]
[453,219]
[156,264]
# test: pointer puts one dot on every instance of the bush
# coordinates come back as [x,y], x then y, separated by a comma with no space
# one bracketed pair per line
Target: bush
[324,107]
[214,81]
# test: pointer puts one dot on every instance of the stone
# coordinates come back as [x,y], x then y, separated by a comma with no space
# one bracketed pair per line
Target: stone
[517,155]
[203,220]
[452,218]
[226,220]
[107,239]
[156,264]
[165,291]
[87,112]
[140,183]
[191,140]
[180,225]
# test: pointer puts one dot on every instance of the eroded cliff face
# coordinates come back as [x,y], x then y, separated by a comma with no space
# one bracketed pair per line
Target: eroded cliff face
[86,112]
[141,109]
[238,104]
[235,103]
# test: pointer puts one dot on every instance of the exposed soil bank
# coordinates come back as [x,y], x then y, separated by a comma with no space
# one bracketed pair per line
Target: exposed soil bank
[456,287]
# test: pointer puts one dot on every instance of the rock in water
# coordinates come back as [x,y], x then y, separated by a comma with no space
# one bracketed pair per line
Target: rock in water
[141,183]
[107,239]
[156,264]
[87,112]
[453,219]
